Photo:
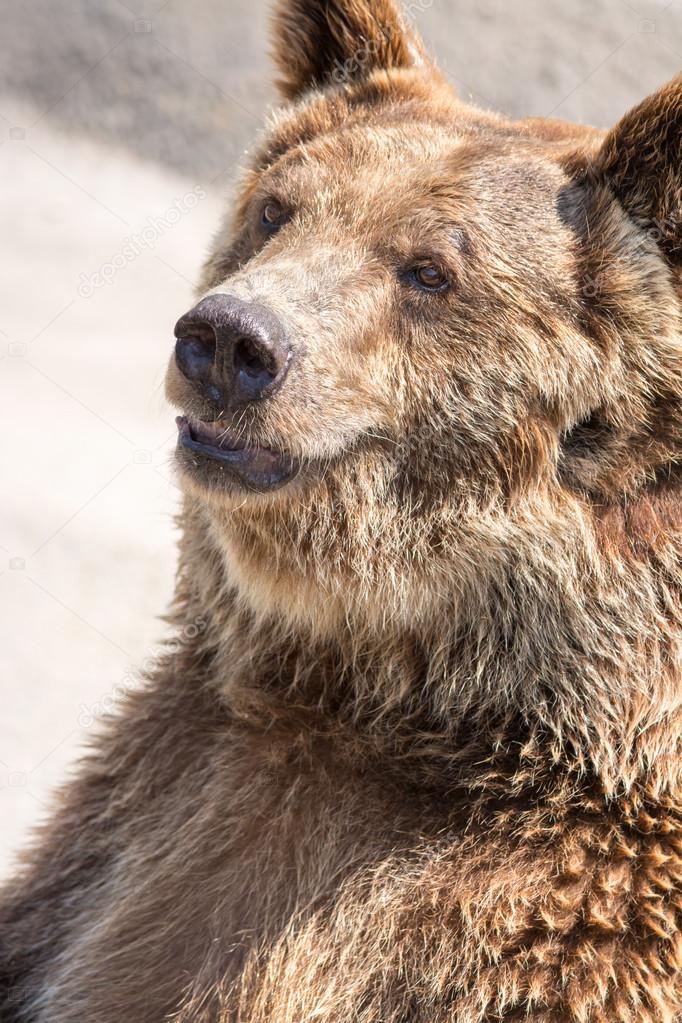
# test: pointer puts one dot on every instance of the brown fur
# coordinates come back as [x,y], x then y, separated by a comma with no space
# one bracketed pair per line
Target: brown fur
[420,761]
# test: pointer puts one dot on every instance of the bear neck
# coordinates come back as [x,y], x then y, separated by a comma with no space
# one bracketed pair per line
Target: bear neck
[570,656]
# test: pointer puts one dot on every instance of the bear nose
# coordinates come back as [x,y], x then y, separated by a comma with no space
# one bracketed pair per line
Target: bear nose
[234,351]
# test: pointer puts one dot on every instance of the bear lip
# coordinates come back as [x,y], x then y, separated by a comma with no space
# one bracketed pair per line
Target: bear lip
[260,468]
[212,434]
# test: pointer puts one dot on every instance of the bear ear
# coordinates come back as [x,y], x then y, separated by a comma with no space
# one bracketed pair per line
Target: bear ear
[641,162]
[322,42]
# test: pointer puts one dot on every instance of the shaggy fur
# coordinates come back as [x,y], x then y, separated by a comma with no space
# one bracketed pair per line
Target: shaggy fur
[416,755]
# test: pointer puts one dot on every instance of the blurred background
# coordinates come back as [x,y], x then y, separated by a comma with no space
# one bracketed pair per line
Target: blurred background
[122,128]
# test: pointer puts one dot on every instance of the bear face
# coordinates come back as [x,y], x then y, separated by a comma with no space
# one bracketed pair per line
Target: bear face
[424,331]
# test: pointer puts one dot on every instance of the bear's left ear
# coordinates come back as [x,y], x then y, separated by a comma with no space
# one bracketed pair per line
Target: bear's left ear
[322,42]
[641,161]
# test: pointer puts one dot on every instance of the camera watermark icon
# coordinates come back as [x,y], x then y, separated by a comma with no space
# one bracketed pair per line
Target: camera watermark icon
[145,241]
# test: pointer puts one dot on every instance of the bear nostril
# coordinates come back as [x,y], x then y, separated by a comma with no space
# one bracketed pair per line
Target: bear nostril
[252,360]
[195,353]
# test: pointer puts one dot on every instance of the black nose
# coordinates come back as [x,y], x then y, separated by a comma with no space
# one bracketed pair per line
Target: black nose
[234,351]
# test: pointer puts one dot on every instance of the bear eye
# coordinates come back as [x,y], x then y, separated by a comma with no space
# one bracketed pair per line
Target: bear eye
[273,215]
[429,277]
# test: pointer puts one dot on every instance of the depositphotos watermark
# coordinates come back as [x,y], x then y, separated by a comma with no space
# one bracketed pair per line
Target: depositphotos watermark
[656,231]
[135,680]
[144,241]
[369,49]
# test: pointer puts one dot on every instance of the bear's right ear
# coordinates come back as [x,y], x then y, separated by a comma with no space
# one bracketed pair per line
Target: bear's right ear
[319,42]
[641,161]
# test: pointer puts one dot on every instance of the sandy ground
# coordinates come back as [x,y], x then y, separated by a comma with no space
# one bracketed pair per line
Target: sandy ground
[123,126]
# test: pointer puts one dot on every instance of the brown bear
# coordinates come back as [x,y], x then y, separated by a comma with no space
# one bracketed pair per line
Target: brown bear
[415,757]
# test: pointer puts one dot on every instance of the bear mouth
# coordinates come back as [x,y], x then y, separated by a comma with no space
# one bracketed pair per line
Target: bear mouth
[255,467]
